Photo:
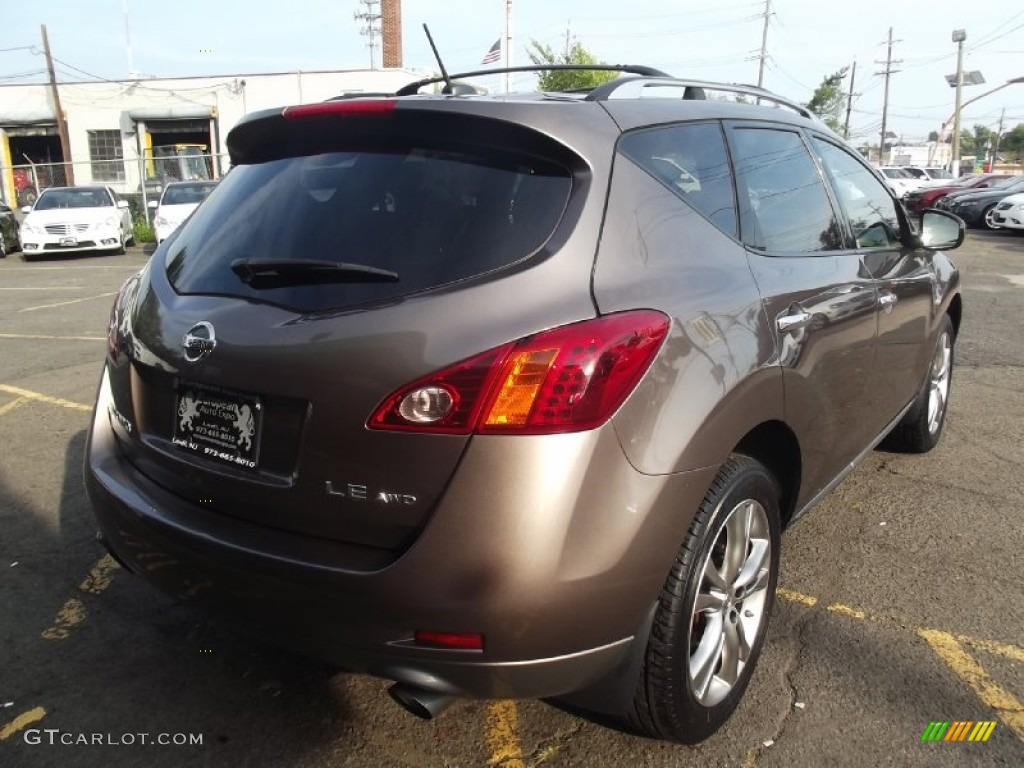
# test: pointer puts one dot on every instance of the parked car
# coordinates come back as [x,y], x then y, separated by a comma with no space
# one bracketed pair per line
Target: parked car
[977,207]
[9,237]
[930,176]
[75,219]
[176,204]
[1009,212]
[901,182]
[426,389]
[920,199]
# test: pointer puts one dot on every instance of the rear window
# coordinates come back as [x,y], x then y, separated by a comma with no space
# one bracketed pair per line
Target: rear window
[186,194]
[433,216]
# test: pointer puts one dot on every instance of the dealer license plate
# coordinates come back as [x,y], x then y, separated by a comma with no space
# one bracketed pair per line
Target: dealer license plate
[68,242]
[219,424]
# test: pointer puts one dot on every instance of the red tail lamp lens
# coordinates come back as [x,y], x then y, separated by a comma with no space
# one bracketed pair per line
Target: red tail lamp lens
[466,641]
[564,380]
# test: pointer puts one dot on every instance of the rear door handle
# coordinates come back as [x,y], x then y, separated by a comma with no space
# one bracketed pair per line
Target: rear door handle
[794,321]
[886,300]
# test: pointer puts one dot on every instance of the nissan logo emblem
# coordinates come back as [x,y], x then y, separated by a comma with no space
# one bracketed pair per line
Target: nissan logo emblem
[199,341]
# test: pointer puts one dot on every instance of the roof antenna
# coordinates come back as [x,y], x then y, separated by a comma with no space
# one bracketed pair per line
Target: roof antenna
[444,72]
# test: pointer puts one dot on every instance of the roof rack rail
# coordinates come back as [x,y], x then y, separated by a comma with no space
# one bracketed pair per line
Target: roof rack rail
[604,91]
[629,69]
[360,95]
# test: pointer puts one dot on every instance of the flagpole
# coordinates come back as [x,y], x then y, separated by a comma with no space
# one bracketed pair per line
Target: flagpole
[508,45]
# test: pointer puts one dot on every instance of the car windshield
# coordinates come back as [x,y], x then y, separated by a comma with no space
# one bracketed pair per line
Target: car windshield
[915,173]
[939,173]
[1007,182]
[896,173]
[74,197]
[186,194]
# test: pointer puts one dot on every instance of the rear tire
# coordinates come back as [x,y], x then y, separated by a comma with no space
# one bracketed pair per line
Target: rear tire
[713,610]
[921,428]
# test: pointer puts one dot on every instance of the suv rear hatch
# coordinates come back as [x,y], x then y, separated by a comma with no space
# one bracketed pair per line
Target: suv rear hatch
[346,254]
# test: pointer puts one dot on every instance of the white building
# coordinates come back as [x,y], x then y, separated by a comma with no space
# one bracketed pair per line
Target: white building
[112,125]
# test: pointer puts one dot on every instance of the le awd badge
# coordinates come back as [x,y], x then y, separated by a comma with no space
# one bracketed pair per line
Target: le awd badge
[356,492]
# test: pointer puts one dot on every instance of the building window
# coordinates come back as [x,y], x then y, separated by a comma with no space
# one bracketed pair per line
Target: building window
[106,154]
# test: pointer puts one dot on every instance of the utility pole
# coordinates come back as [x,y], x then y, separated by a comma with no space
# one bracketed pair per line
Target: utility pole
[999,134]
[959,35]
[849,101]
[885,101]
[62,127]
[370,16]
[764,43]
[508,45]
[568,39]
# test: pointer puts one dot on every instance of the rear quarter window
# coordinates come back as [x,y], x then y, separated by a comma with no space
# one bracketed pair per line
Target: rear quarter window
[434,216]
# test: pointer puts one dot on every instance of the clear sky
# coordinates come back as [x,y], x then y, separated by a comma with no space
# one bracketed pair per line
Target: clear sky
[710,39]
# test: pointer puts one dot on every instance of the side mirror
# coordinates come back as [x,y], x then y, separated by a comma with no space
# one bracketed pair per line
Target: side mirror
[941,230]
[154,204]
[122,203]
[26,209]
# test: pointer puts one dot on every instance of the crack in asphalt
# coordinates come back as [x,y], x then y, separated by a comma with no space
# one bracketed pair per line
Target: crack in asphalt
[751,758]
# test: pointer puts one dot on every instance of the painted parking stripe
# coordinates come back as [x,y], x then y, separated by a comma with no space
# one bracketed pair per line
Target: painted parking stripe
[39,336]
[40,397]
[69,301]
[8,407]
[503,734]
[964,666]
[22,721]
[950,649]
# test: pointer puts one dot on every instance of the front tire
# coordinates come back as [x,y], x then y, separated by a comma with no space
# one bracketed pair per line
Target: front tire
[988,218]
[713,611]
[920,429]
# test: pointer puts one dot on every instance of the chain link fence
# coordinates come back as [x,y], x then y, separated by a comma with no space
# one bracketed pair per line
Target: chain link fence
[137,180]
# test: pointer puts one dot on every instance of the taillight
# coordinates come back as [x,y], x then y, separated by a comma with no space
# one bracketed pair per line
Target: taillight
[341,107]
[116,344]
[567,379]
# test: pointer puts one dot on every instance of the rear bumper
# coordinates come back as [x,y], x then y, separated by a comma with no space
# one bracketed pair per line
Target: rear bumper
[558,579]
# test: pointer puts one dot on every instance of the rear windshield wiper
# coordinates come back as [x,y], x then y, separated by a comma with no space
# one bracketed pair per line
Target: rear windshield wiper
[275,273]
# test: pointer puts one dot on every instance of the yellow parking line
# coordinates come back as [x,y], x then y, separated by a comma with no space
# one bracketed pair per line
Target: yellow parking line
[22,720]
[796,597]
[949,649]
[71,614]
[50,338]
[28,393]
[503,734]
[100,576]
[8,407]
[70,301]
[963,665]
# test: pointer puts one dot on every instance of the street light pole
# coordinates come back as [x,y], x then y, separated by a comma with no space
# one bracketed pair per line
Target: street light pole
[959,35]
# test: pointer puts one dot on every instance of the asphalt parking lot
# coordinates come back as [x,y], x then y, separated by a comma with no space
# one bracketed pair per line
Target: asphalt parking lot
[901,603]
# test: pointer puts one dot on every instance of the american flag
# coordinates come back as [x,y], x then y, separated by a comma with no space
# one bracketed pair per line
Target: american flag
[494,54]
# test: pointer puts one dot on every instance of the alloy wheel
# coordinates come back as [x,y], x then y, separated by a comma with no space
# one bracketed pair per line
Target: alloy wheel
[938,386]
[730,604]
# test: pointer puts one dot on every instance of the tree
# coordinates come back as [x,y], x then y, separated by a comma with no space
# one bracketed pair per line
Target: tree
[1012,143]
[566,80]
[829,99]
[974,141]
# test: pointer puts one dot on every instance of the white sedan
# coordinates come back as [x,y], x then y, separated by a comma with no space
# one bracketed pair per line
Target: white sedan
[1009,212]
[176,204]
[76,219]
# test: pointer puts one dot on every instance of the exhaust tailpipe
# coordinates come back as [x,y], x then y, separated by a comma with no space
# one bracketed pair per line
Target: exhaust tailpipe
[419,701]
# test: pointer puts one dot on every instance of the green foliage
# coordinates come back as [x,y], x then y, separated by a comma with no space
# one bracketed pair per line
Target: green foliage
[1012,144]
[975,141]
[554,80]
[144,233]
[829,99]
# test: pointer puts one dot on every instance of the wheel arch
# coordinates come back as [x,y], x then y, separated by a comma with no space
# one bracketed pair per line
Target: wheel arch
[775,445]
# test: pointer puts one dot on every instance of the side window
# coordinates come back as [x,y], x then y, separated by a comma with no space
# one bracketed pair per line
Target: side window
[870,210]
[691,160]
[783,203]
